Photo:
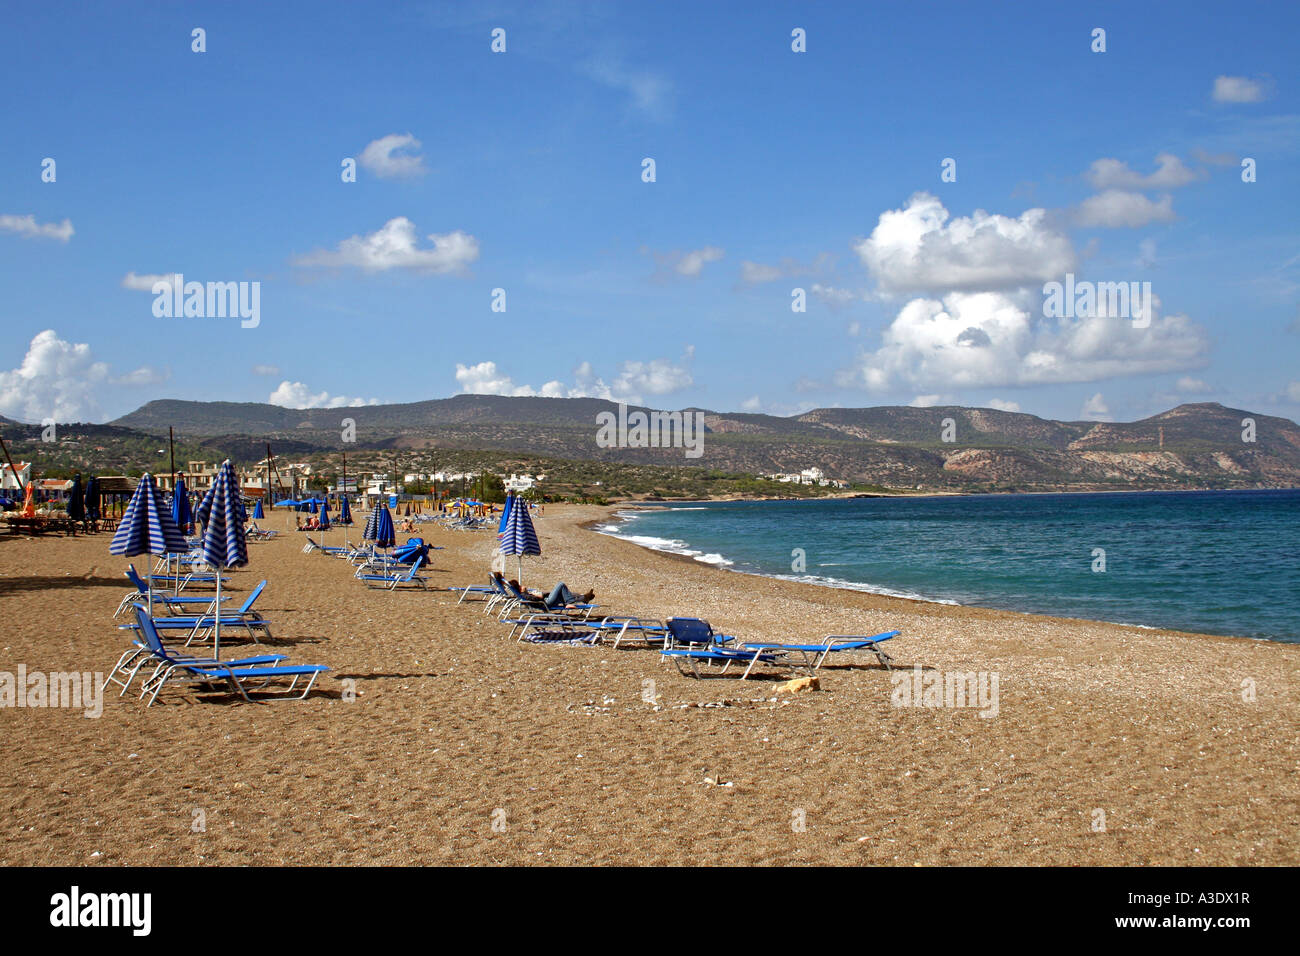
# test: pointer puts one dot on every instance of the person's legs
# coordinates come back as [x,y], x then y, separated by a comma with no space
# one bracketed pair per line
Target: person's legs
[559,596]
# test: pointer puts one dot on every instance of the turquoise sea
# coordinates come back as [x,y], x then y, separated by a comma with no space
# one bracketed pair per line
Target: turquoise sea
[1218,562]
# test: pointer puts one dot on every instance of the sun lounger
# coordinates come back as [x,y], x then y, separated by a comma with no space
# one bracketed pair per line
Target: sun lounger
[236,675]
[814,654]
[173,602]
[139,655]
[395,579]
[692,642]
[199,627]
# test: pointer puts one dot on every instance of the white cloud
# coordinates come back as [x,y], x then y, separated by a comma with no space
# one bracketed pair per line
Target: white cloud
[59,379]
[1095,409]
[834,297]
[690,263]
[145,282]
[29,228]
[297,395]
[634,380]
[1238,89]
[917,249]
[266,370]
[394,246]
[752,404]
[1115,209]
[993,339]
[1193,386]
[651,93]
[1003,406]
[926,401]
[393,157]
[1115,174]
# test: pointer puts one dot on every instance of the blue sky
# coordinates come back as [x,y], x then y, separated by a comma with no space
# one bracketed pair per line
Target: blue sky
[775,170]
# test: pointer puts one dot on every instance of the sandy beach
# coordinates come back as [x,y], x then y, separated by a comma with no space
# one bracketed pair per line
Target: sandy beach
[465,747]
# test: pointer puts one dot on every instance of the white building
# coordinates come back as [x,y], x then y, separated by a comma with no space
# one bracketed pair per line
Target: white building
[11,482]
[518,483]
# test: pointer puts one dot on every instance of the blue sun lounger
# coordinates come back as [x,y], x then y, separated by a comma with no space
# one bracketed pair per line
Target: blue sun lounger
[692,642]
[243,616]
[173,602]
[236,675]
[394,579]
[814,654]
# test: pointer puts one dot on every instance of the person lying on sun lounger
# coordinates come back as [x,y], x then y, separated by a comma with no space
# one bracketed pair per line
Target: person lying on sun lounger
[560,595]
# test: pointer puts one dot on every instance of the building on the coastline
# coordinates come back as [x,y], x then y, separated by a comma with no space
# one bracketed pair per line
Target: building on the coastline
[521,483]
[808,476]
[9,481]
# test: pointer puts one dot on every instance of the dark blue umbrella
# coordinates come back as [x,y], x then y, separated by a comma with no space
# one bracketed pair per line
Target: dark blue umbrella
[181,513]
[345,512]
[520,537]
[379,528]
[92,498]
[312,506]
[147,527]
[223,543]
[77,501]
[324,516]
[505,515]
[258,514]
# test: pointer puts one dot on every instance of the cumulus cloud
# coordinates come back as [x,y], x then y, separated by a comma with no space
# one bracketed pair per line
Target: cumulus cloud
[1116,209]
[926,401]
[1170,173]
[1192,386]
[297,395]
[1238,89]
[918,249]
[751,404]
[395,246]
[993,339]
[1095,409]
[29,228]
[393,157]
[1003,406]
[635,380]
[60,380]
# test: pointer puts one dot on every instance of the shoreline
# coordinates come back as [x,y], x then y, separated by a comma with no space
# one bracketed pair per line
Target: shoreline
[589,525]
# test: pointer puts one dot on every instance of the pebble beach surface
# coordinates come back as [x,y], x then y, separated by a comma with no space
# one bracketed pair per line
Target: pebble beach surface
[1110,744]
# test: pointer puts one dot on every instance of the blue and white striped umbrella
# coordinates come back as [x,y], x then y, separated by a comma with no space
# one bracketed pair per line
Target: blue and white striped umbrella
[147,527]
[379,528]
[223,543]
[520,537]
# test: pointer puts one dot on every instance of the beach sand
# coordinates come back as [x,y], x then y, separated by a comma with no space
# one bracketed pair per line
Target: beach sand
[465,747]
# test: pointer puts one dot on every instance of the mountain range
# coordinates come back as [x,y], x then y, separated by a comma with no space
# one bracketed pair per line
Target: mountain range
[940,447]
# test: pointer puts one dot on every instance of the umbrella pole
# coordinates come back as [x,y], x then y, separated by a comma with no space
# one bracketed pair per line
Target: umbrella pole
[216,620]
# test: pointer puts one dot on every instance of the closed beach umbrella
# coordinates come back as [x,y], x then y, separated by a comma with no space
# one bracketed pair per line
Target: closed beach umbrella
[147,528]
[258,513]
[312,506]
[29,501]
[324,516]
[181,513]
[77,501]
[379,528]
[92,499]
[223,544]
[520,537]
[345,513]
